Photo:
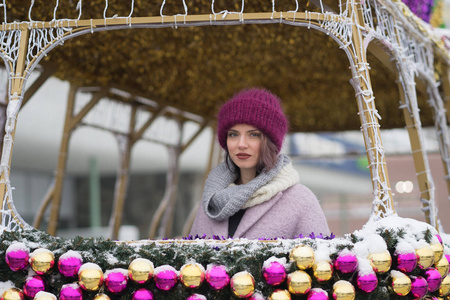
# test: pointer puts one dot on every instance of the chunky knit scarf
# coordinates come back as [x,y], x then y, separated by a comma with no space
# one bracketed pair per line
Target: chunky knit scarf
[222,199]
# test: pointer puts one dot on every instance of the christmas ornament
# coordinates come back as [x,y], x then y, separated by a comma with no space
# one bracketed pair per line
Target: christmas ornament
[217,277]
[101,296]
[196,297]
[69,263]
[17,256]
[299,282]
[90,277]
[42,260]
[303,256]
[439,238]
[346,262]
[367,282]
[12,294]
[116,280]
[438,250]
[44,296]
[71,291]
[192,275]
[406,262]
[433,278]
[242,284]
[256,296]
[381,262]
[33,285]
[273,272]
[280,295]
[165,277]
[323,270]
[401,284]
[447,256]
[343,290]
[317,294]
[425,257]
[142,294]
[419,287]
[444,289]
[140,270]
[442,266]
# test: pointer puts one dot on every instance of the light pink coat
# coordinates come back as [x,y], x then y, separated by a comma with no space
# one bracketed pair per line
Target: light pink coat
[288,214]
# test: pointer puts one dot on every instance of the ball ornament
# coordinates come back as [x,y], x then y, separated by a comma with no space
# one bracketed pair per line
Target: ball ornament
[116,280]
[142,294]
[401,284]
[90,277]
[44,296]
[406,262]
[317,294]
[33,285]
[242,284]
[323,270]
[274,272]
[367,282]
[217,277]
[381,261]
[192,275]
[419,287]
[299,282]
[343,290]
[346,262]
[280,295]
[303,256]
[166,277]
[69,263]
[433,278]
[425,257]
[140,270]
[444,289]
[442,266]
[71,291]
[12,294]
[17,256]
[42,261]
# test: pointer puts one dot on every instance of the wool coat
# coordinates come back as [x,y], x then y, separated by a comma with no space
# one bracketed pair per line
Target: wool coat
[288,214]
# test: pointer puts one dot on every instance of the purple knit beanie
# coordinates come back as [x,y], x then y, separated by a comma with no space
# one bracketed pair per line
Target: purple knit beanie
[256,107]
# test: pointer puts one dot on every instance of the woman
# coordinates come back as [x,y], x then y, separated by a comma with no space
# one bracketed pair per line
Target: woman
[255,193]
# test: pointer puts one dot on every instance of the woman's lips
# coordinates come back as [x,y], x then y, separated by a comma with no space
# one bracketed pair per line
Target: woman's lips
[243,156]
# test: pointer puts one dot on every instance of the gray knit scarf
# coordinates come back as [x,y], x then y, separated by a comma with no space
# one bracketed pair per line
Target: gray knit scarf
[222,200]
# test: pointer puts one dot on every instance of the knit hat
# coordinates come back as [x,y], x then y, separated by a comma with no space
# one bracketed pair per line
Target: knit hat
[256,107]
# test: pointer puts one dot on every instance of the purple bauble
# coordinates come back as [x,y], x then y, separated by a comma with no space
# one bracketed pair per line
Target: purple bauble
[447,256]
[346,262]
[433,278]
[165,277]
[217,277]
[33,285]
[116,280]
[256,296]
[17,256]
[317,294]
[367,282]
[406,262]
[274,272]
[71,291]
[69,263]
[419,287]
[196,297]
[142,294]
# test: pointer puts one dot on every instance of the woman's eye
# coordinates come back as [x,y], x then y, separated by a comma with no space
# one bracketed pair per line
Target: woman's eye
[232,134]
[255,134]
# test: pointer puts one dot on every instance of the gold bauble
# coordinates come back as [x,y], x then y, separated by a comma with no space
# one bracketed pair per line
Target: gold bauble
[12,294]
[444,289]
[140,270]
[438,250]
[401,284]
[303,256]
[343,290]
[442,266]
[280,295]
[425,257]
[323,270]
[44,296]
[90,278]
[299,282]
[42,261]
[101,296]
[380,262]
[192,275]
[242,284]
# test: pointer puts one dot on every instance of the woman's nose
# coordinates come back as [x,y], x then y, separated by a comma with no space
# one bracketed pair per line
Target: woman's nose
[242,142]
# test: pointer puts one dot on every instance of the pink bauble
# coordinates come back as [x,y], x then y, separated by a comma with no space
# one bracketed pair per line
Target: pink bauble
[142,294]
[17,256]
[33,285]
[196,297]
[274,273]
[256,296]
[69,264]
[346,262]
[433,278]
[165,277]
[419,287]
[317,294]
[71,292]
[367,282]
[447,256]
[439,238]
[217,277]
[406,262]
[116,280]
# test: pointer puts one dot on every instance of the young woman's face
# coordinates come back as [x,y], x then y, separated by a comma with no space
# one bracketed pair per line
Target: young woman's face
[244,143]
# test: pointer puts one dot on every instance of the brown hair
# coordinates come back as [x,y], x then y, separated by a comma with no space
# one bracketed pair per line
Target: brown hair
[268,155]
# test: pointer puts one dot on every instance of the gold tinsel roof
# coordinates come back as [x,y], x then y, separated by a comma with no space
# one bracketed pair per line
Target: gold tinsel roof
[197,68]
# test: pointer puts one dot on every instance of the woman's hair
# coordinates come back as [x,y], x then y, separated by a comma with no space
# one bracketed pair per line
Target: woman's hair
[268,155]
